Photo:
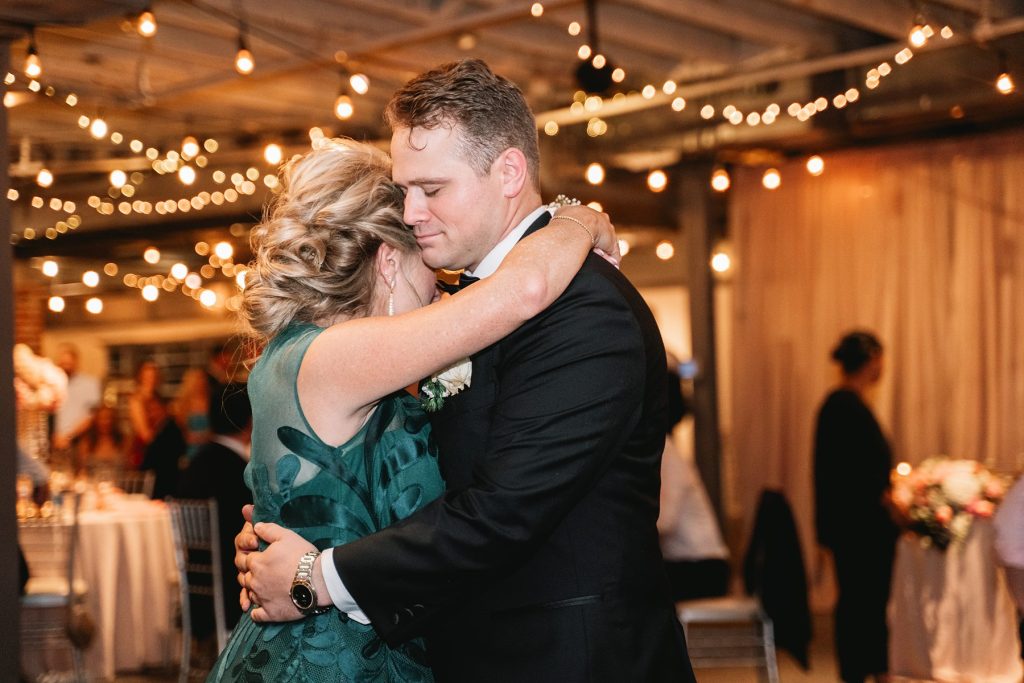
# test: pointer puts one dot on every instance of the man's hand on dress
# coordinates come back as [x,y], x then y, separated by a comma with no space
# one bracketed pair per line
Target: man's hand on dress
[268,574]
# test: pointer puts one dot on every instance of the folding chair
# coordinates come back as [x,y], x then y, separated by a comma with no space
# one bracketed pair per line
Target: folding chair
[52,610]
[197,555]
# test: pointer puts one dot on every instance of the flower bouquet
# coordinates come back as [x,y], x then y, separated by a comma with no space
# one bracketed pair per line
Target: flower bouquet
[941,497]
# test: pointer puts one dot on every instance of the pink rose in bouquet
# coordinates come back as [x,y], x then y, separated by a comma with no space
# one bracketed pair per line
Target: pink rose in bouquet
[940,498]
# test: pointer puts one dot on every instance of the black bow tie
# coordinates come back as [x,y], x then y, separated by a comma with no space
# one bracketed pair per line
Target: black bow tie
[464,281]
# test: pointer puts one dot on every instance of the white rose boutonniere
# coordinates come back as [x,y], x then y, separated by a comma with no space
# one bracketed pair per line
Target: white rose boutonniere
[444,384]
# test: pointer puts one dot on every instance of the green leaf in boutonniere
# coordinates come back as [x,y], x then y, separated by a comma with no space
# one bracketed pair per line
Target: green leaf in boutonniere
[444,384]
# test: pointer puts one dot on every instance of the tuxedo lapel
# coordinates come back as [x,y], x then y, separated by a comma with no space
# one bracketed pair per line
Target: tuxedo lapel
[462,425]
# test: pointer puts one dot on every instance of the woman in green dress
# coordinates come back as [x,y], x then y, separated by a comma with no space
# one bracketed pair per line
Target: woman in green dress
[337,295]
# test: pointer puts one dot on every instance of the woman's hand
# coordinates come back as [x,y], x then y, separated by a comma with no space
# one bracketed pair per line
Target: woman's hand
[606,243]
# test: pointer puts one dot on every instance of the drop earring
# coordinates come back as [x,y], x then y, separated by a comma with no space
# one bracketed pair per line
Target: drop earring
[391,299]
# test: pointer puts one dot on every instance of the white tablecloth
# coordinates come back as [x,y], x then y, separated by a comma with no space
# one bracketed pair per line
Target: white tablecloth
[127,560]
[951,617]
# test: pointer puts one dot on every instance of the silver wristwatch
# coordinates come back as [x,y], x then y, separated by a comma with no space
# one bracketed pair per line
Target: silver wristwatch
[303,593]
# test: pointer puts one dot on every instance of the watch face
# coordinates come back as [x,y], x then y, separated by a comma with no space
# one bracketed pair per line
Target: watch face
[302,596]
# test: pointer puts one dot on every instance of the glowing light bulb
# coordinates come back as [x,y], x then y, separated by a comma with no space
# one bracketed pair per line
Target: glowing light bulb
[150,293]
[244,61]
[360,83]
[771,179]
[208,298]
[664,250]
[618,75]
[815,165]
[537,9]
[657,180]
[44,178]
[720,262]
[903,469]
[55,304]
[118,178]
[1005,84]
[551,128]
[720,180]
[98,128]
[343,108]
[146,24]
[33,67]
[189,147]
[594,174]
[50,268]
[917,36]
[223,250]
[94,305]
[90,278]
[187,175]
[179,271]
[151,255]
[574,28]
[273,154]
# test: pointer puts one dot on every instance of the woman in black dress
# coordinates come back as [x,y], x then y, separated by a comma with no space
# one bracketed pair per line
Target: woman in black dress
[852,461]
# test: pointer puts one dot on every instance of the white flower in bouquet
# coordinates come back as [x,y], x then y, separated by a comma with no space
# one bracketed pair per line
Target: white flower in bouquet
[961,487]
[959,526]
[447,383]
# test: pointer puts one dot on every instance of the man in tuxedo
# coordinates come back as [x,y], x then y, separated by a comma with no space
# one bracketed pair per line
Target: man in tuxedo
[541,562]
[216,472]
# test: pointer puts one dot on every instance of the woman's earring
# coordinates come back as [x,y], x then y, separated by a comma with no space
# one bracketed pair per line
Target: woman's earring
[391,299]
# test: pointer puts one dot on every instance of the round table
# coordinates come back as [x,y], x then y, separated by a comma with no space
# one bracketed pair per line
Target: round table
[126,558]
[951,617]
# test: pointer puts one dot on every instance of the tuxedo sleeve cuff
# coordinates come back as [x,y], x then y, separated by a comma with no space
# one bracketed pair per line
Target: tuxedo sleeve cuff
[340,596]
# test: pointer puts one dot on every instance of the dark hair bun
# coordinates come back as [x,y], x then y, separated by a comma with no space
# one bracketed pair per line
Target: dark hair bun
[855,349]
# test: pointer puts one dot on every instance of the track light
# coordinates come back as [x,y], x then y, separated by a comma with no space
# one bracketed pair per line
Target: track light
[244,61]
[146,24]
[33,67]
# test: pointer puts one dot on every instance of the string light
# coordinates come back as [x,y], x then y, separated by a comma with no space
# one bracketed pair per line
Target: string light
[815,165]
[98,128]
[343,107]
[720,180]
[360,83]
[917,38]
[33,67]
[146,24]
[208,298]
[594,174]
[55,304]
[664,250]
[574,28]
[187,175]
[94,305]
[657,180]
[118,178]
[151,255]
[90,278]
[223,250]
[720,262]
[244,61]
[273,154]
[537,9]
[50,268]
[771,179]
[189,147]
[150,293]
[44,178]
[1005,84]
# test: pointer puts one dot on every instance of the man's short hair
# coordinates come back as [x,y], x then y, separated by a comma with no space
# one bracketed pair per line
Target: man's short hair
[489,109]
[230,411]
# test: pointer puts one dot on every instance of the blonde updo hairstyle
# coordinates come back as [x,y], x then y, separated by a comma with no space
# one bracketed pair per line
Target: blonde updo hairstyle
[313,252]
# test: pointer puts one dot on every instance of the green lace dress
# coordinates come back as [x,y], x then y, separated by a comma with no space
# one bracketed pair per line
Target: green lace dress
[330,495]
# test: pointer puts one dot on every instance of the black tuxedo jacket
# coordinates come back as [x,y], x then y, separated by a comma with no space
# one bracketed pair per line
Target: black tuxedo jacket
[541,561]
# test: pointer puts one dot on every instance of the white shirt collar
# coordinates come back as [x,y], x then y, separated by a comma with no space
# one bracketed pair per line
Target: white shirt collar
[490,263]
[231,443]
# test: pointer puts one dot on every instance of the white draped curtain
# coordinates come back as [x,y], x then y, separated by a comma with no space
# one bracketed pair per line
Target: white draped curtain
[921,243]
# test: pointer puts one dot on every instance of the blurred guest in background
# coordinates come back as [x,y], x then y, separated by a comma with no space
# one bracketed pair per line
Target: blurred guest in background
[216,472]
[165,453]
[1009,523]
[74,415]
[852,462]
[103,447]
[192,408]
[696,557]
[144,406]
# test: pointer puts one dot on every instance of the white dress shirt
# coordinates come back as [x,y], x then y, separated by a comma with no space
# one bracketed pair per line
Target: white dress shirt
[340,595]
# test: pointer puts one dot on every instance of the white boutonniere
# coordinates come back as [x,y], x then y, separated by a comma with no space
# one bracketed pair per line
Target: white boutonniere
[444,384]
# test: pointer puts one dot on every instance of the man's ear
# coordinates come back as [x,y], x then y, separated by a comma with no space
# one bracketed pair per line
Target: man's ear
[514,171]
[386,261]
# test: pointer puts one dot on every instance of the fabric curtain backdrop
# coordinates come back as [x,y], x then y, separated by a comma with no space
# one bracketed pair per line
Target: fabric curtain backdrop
[921,243]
